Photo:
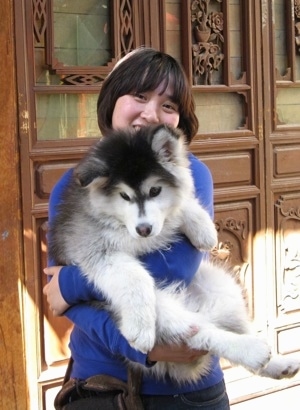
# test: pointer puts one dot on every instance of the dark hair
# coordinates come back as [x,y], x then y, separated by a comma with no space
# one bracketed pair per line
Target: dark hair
[142,70]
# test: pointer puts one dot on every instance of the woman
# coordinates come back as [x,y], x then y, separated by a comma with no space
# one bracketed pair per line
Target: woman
[145,87]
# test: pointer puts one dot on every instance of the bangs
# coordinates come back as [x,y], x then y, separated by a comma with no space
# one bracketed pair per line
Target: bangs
[152,79]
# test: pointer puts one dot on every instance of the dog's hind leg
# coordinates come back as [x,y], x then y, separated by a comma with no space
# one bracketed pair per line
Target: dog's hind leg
[216,295]
[224,327]
[174,322]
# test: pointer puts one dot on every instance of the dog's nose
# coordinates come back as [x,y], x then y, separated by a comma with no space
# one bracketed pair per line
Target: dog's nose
[144,229]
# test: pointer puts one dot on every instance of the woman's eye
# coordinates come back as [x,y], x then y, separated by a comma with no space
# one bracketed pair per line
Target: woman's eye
[171,107]
[140,96]
[125,196]
[154,191]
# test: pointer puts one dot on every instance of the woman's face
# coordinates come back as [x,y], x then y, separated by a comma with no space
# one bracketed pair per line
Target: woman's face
[148,108]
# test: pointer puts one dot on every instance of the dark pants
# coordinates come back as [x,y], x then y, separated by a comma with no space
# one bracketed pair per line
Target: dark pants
[213,398]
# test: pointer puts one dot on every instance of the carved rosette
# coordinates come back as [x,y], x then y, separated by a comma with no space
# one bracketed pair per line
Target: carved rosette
[207,32]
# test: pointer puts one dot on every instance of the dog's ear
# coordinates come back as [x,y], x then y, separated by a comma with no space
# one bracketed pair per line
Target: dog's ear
[168,143]
[91,170]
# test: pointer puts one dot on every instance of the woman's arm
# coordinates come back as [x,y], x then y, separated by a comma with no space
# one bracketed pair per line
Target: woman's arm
[73,286]
[99,326]
[203,184]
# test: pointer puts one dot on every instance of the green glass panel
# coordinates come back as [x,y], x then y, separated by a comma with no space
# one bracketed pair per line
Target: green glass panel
[66,116]
[81,32]
[220,112]
[288,106]
[281,62]
[235,39]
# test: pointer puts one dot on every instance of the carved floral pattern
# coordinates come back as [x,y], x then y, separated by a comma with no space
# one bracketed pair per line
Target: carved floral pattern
[225,252]
[238,228]
[39,21]
[290,245]
[229,251]
[84,79]
[297,8]
[206,50]
[290,212]
[297,24]
[291,272]
[126,29]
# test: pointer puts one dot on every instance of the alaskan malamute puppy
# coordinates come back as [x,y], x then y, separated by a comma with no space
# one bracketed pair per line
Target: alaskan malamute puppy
[131,194]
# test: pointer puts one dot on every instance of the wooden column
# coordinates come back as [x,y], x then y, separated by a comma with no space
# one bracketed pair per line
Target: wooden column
[13,392]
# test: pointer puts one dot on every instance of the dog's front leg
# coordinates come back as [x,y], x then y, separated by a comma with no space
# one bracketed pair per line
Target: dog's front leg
[198,226]
[129,288]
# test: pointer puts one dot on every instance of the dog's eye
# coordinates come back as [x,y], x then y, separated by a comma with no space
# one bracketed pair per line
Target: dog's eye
[154,191]
[125,196]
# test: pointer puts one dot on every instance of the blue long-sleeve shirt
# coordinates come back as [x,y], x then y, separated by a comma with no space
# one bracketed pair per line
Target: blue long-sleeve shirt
[96,344]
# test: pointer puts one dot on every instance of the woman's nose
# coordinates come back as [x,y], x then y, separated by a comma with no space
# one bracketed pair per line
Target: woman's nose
[150,113]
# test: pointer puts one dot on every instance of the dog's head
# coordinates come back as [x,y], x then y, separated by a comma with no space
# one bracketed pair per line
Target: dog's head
[137,176]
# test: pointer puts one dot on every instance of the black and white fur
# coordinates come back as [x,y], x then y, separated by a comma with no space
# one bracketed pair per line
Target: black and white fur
[131,195]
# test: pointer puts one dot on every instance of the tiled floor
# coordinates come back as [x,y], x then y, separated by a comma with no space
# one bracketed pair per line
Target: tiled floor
[287,399]
[260,393]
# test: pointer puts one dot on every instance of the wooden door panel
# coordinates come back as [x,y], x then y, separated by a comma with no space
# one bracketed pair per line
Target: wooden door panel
[47,174]
[58,83]
[282,65]
[231,168]
[286,162]
[287,245]
[234,222]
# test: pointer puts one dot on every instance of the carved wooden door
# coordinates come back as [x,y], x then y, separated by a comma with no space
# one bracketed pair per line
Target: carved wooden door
[64,51]
[243,61]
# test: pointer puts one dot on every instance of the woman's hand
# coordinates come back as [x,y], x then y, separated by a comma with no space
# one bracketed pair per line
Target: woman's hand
[174,353]
[57,303]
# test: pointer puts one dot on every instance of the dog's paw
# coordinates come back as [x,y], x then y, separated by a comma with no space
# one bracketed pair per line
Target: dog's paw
[281,367]
[140,334]
[249,351]
[207,239]
[198,227]
[204,237]
[258,353]
[143,342]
